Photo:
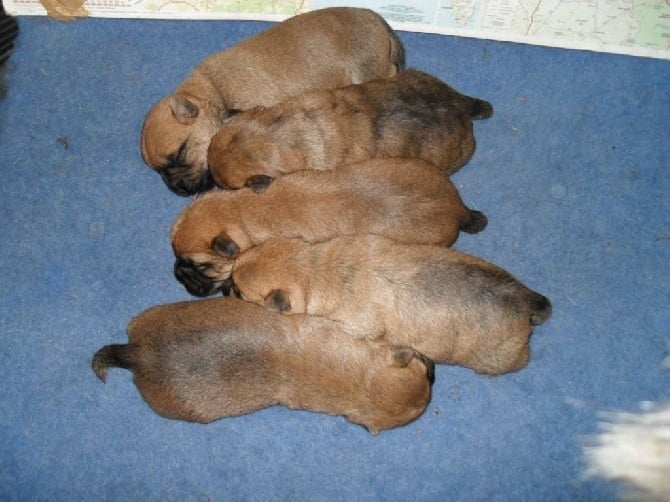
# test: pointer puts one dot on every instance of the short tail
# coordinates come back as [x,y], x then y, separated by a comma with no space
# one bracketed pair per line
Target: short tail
[111,356]
[476,222]
[541,309]
[480,109]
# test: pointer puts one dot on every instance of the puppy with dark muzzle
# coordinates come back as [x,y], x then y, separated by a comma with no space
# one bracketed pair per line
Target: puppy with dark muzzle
[410,115]
[452,307]
[404,199]
[318,50]
[204,360]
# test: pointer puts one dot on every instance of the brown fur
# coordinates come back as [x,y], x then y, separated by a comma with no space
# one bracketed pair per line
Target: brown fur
[455,308]
[410,115]
[404,199]
[204,360]
[318,50]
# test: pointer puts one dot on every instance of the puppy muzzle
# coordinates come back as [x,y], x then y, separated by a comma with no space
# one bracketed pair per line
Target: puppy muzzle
[196,281]
[185,180]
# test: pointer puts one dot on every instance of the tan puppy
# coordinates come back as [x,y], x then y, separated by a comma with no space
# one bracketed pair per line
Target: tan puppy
[410,115]
[452,307]
[204,360]
[404,199]
[318,50]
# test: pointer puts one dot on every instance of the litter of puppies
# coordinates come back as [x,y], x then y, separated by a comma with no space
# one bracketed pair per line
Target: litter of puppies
[332,224]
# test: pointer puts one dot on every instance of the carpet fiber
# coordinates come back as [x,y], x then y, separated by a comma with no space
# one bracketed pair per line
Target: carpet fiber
[572,171]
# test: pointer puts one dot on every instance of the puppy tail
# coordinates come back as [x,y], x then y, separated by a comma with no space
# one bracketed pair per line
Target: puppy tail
[480,109]
[475,222]
[117,356]
[541,309]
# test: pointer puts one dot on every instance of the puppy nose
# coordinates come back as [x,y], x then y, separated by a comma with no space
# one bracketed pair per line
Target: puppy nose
[181,187]
[178,270]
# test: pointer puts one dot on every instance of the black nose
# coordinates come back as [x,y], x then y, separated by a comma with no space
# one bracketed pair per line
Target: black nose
[185,180]
[192,278]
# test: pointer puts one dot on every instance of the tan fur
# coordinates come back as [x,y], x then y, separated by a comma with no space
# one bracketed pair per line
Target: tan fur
[410,115]
[318,50]
[452,307]
[204,360]
[403,199]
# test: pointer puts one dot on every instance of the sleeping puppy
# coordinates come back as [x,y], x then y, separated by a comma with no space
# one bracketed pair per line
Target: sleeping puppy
[318,50]
[410,115]
[204,360]
[404,199]
[452,307]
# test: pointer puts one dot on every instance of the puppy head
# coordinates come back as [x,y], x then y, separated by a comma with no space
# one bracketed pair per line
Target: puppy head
[205,244]
[174,141]
[269,276]
[244,152]
[398,386]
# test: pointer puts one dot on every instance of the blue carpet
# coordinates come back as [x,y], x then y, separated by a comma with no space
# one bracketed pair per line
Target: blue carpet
[572,171]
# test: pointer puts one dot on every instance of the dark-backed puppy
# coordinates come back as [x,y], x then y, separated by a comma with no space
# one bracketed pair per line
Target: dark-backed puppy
[410,115]
[318,50]
[405,199]
[204,360]
[452,307]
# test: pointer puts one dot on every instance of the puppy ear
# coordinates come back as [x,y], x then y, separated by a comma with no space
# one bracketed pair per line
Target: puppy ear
[228,113]
[278,301]
[184,111]
[401,355]
[259,182]
[224,246]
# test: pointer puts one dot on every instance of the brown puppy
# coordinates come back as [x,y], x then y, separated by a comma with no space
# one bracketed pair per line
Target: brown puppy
[204,360]
[318,50]
[410,115]
[452,307]
[404,199]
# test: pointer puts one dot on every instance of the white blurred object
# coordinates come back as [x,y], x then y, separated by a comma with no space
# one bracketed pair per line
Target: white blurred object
[634,449]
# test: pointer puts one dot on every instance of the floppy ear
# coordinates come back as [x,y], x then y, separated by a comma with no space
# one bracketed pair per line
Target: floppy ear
[278,301]
[228,113]
[401,356]
[224,246]
[184,111]
[259,182]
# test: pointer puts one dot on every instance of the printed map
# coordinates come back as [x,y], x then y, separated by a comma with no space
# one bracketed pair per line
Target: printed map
[634,27]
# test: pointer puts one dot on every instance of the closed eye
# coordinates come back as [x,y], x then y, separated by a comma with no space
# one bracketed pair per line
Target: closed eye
[177,159]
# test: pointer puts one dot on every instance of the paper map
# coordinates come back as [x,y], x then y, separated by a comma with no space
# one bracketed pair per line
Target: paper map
[633,27]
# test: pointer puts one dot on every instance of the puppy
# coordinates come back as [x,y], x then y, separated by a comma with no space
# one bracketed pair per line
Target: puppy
[410,115]
[320,49]
[204,360]
[452,307]
[404,199]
